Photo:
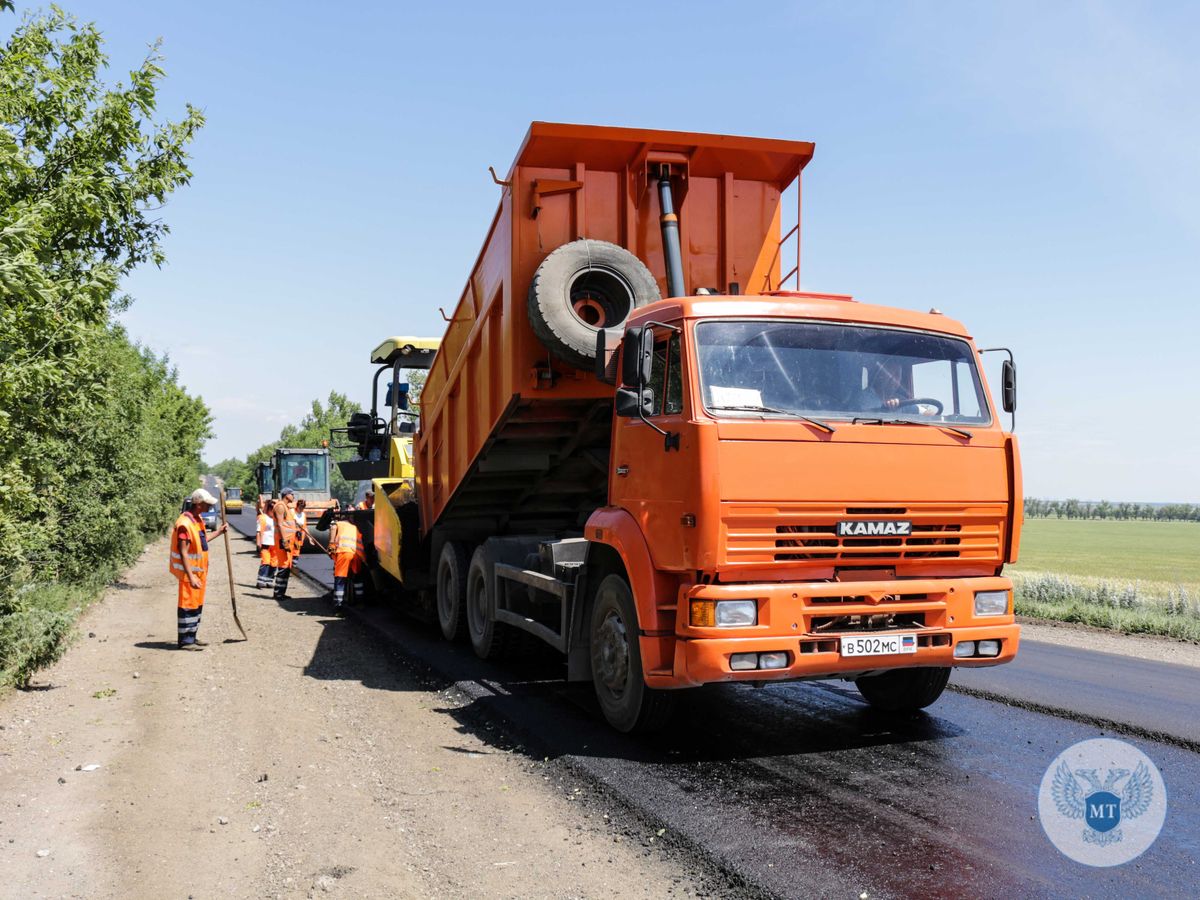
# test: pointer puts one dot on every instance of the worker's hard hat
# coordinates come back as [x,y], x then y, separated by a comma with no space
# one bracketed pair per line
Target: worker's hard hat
[200,495]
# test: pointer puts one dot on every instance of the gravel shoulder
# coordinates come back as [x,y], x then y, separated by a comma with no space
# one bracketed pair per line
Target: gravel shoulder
[308,761]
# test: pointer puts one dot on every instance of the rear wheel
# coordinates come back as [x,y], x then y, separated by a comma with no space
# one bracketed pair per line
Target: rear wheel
[452,589]
[627,703]
[903,690]
[489,638]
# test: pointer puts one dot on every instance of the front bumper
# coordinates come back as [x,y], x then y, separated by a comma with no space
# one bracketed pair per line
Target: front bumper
[806,620]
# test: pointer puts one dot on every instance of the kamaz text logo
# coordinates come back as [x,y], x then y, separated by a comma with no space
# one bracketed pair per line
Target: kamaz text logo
[867,528]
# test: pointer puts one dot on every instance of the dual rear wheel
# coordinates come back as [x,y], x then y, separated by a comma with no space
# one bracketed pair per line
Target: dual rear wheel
[451,582]
[466,605]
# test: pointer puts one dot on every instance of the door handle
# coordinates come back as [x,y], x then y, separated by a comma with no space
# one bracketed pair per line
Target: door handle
[622,471]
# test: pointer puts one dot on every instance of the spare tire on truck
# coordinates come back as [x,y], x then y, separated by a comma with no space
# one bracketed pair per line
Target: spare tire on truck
[582,287]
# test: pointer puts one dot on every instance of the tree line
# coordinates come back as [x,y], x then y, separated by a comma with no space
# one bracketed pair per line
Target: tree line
[310,431]
[98,440]
[1103,509]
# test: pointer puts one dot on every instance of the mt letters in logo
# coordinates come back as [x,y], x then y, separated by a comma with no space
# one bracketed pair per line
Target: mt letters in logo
[1102,802]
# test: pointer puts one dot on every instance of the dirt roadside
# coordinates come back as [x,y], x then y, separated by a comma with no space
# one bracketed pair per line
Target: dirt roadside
[306,762]
[1083,637]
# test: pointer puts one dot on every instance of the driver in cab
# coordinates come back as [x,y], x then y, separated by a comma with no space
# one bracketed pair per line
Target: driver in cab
[886,390]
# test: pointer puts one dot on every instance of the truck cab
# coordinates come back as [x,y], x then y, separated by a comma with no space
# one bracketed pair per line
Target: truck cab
[822,487]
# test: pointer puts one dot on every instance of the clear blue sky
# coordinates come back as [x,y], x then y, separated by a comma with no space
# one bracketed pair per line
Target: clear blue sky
[1031,169]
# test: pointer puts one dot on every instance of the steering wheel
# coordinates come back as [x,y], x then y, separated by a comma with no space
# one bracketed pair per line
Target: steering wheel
[920,401]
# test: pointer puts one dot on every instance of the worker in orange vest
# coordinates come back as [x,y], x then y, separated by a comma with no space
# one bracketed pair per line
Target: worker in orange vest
[285,534]
[346,545]
[189,564]
[264,539]
[368,501]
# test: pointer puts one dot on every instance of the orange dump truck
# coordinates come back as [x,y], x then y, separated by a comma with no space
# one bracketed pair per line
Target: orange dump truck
[634,446]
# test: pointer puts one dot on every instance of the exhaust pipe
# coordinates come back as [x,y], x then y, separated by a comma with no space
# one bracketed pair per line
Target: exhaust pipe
[672,252]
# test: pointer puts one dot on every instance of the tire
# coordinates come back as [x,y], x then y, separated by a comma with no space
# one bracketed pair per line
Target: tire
[489,639]
[582,287]
[903,690]
[453,563]
[617,676]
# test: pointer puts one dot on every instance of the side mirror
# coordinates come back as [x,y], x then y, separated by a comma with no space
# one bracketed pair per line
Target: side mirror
[631,403]
[637,356]
[1009,387]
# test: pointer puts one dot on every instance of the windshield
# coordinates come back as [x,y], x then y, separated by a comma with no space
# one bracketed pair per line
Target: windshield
[303,472]
[233,493]
[838,371]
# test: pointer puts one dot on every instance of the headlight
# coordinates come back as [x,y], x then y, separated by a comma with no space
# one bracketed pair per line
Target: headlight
[734,613]
[991,603]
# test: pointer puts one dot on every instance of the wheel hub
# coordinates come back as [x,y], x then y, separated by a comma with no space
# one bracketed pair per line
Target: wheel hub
[613,646]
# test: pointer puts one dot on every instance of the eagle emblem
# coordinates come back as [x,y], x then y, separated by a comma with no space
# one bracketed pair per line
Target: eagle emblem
[1099,804]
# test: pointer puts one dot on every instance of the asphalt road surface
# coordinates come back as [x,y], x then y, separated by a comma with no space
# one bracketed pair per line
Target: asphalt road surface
[801,790]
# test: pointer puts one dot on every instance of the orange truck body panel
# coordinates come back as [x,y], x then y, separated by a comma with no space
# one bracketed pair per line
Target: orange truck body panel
[726,516]
[490,360]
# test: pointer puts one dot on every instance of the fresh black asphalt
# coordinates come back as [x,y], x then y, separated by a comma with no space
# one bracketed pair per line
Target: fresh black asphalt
[800,790]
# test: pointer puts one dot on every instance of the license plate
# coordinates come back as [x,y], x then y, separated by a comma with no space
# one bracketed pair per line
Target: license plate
[879,645]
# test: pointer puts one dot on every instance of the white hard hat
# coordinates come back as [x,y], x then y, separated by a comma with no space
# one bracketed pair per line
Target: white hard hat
[200,495]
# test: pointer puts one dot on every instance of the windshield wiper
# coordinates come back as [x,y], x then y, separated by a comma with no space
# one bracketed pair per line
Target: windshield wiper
[782,412]
[877,421]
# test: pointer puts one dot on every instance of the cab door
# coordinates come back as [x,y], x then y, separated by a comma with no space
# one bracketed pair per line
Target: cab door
[652,474]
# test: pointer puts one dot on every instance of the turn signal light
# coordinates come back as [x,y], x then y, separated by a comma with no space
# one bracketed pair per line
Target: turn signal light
[703,614]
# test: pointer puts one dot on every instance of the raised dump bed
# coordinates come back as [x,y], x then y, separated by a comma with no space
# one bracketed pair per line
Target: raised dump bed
[515,427]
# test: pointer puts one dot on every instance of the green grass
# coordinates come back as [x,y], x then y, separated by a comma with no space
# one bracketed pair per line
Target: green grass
[1164,552]
[1134,577]
[1122,607]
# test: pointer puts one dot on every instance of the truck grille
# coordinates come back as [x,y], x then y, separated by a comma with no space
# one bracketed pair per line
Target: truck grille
[754,535]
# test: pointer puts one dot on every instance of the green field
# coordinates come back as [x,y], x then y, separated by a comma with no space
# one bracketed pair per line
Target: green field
[1166,553]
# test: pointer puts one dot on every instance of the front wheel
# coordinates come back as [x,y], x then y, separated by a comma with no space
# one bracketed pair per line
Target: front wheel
[627,703]
[903,690]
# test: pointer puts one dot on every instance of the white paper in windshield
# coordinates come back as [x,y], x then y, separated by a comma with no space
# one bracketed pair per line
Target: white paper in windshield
[734,396]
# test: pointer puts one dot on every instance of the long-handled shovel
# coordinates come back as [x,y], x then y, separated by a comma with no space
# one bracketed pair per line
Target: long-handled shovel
[229,568]
[308,537]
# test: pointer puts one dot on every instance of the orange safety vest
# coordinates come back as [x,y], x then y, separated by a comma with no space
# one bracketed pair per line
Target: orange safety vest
[287,527]
[346,543]
[195,560]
